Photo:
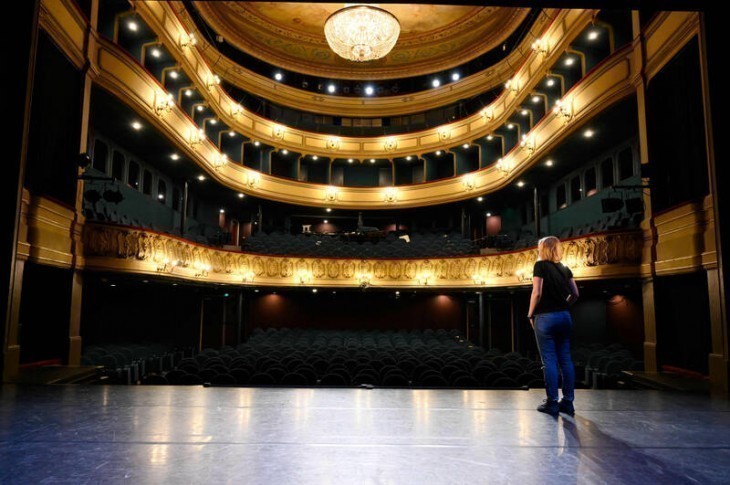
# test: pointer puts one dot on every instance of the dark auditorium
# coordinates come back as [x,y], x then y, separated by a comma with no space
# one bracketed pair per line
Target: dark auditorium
[373,243]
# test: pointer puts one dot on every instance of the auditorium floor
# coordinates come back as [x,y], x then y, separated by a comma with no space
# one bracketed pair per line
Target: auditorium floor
[141,434]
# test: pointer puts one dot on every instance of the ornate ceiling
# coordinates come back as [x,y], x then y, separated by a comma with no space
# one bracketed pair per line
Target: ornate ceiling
[290,35]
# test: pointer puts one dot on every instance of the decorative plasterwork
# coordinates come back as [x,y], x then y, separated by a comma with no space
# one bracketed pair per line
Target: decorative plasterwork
[118,248]
[433,37]
[466,88]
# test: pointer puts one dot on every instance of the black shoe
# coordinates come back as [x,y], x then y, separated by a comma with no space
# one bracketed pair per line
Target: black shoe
[550,407]
[566,407]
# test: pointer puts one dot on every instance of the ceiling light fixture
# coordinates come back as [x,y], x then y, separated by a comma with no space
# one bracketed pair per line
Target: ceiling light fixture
[331,88]
[455,76]
[155,53]
[361,33]
[188,93]
[369,90]
[435,83]
[278,76]
[175,156]
[593,35]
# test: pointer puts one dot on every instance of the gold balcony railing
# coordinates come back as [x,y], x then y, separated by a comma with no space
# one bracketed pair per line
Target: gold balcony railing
[126,249]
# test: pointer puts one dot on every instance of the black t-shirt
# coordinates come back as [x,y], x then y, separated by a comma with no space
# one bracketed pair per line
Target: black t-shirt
[554,288]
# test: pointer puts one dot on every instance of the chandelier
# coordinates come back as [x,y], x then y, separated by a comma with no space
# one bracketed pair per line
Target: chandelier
[361,33]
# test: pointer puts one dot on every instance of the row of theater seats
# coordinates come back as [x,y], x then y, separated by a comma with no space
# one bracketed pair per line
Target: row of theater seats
[132,363]
[354,358]
[112,216]
[391,246]
[601,366]
[526,238]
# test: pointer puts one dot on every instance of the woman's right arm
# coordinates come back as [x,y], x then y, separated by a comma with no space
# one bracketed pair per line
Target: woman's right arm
[574,289]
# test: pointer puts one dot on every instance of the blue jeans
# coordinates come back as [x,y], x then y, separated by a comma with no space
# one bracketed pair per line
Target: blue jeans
[553,338]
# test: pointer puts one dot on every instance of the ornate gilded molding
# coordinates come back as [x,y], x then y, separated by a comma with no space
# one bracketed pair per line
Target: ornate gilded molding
[161,18]
[292,97]
[433,37]
[133,250]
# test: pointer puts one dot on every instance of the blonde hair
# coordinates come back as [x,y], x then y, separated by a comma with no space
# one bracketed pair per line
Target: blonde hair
[549,249]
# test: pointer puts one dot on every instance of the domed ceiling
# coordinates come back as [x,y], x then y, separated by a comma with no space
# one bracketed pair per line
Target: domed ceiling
[291,36]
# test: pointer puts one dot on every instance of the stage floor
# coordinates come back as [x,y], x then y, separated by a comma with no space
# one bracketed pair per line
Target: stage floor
[141,434]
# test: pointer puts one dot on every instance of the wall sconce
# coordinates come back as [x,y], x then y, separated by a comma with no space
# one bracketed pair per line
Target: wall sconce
[279,132]
[330,194]
[213,81]
[196,136]
[469,182]
[540,46]
[167,265]
[391,194]
[253,179]
[480,278]
[304,277]
[236,110]
[248,277]
[202,270]
[390,144]
[488,114]
[564,110]
[164,104]
[333,144]
[529,144]
[220,161]
[364,279]
[424,278]
[188,40]
[444,134]
[512,85]
[504,166]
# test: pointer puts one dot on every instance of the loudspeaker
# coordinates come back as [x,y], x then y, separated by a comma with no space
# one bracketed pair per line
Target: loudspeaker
[611,204]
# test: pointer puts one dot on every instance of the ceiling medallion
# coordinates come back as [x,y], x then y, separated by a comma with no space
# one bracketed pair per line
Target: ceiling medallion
[361,33]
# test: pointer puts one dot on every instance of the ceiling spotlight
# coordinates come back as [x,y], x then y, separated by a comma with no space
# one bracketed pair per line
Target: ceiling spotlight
[569,61]
[137,125]
[315,157]
[520,184]
[200,107]
[409,158]
[222,211]
[510,126]
[435,83]
[524,112]
[160,196]
[438,153]
[465,145]
[201,177]
[326,221]
[489,214]
[155,52]
[241,196]
[490,137]
[231,134]
[188,92]
[132,25]
[278,76]
[314,290]
[549,163]
[285,151]
[593,35]
[480,199]
[372,160]
[213,122]
[455,76]
[173,74]
[256,143]
[369,90]
[550,82]
[328,209]
[536,99]
[589,133]
[331,88]
[350,160]
[175,156]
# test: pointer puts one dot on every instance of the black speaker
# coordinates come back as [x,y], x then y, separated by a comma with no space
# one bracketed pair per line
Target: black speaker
[634,205]
[612,204]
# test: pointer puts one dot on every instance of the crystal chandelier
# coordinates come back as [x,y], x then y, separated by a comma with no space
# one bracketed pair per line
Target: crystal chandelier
[361,33]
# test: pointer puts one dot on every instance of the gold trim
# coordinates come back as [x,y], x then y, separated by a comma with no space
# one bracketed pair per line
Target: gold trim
[132,250]
[397,105]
